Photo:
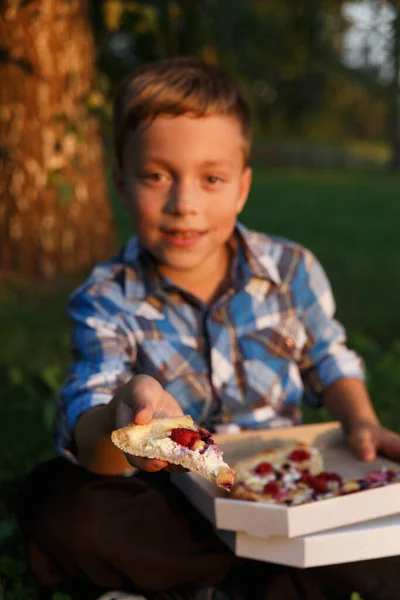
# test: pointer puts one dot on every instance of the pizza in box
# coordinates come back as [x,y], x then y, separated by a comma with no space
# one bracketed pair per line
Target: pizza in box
[295,475]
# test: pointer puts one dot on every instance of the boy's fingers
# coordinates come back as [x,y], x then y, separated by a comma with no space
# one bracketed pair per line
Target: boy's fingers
[390,445]
[176,468]
[124,414]
[364,445]
[150,465]
[146,394]
[143,415]
[146,389]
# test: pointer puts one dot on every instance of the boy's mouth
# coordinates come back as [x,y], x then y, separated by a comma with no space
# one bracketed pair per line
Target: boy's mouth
[182,237]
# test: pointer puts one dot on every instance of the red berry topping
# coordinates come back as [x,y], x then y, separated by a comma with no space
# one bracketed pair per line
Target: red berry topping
[315,482]
[196,437]
[206,436]
[306,478]
[299,455]
[320,485]
[330,476]
[271,488]
[376,478]
[183,436]
[264,468]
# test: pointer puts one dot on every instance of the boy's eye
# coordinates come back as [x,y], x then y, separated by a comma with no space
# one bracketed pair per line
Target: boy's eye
[153,176]
[213,179]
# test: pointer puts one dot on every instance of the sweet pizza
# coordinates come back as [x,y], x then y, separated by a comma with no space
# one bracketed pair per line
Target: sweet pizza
[178,441]
[295,475]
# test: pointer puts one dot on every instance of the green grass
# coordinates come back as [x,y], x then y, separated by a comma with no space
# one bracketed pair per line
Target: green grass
[349,220]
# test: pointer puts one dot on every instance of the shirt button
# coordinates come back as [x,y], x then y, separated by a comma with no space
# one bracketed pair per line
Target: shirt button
[162,368]
[288,343]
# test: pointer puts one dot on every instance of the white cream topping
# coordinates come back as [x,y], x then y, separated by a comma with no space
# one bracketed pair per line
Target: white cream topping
[256,484]
[290,476]
[301,497]
[211,459]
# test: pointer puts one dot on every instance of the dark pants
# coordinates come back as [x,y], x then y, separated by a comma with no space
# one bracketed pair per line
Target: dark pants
[141,534]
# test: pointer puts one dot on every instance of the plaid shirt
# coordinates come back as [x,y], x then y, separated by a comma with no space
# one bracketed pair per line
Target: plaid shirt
[247,361]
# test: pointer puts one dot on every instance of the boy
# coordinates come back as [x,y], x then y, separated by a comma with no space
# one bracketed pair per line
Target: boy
[196,315]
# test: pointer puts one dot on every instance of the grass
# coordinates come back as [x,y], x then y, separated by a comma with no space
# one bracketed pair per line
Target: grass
[349,220]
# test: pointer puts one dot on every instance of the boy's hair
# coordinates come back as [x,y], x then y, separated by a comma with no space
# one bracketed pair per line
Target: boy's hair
[177,86]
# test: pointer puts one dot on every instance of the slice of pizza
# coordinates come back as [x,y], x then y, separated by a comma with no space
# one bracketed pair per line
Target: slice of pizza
[276,475]
[177,440]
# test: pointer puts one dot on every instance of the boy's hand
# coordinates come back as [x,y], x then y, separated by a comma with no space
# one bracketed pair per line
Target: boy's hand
[139,401]
[369,439]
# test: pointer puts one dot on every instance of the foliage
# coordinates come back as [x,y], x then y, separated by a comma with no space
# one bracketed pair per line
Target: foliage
[291,62]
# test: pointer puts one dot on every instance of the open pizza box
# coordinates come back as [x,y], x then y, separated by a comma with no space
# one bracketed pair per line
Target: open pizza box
[292,535]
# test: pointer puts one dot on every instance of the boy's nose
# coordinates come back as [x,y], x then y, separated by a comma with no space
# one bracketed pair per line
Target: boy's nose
[181,200]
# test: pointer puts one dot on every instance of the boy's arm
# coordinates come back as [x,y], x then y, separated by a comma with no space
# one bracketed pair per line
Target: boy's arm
[332,372]
[348,401]
[102,358]
[100,393]
[94,448]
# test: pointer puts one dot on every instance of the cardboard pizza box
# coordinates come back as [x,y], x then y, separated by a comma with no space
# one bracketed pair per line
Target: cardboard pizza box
[373,539]
[262,520]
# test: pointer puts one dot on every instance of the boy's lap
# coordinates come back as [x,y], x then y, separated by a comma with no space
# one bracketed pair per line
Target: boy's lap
[139,526]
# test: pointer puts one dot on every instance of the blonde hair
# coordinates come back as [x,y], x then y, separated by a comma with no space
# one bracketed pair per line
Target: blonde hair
[177,86]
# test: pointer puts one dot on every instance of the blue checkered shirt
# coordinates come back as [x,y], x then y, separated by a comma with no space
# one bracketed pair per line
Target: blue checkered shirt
[246,361]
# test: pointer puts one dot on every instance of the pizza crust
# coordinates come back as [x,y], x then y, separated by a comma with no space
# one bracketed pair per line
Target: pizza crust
[133,437]
[239,492]
[154,442]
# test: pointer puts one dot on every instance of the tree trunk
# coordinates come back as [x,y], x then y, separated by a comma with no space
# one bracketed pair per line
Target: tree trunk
[54,214]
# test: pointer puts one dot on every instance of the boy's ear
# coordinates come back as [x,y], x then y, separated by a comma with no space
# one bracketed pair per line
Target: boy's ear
[247,177]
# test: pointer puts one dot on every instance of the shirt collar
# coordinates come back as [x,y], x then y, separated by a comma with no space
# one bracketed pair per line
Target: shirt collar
[255,246]
[251,260]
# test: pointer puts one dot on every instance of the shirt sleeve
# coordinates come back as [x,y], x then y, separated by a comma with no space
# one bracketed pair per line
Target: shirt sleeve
[102,359]
[326,357]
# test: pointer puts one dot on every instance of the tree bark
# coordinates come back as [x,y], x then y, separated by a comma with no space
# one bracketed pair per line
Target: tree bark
[54,214]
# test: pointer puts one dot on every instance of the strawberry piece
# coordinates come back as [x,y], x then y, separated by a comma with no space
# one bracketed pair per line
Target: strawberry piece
[264,468]
[299,455]
[271,488]
[183,436]
[307,479]
[315,482]
[320,485]
[196,442]
[330,476]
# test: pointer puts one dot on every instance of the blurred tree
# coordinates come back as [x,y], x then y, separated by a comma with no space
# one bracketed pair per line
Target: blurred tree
[54,214]
[157,29]
[290,58]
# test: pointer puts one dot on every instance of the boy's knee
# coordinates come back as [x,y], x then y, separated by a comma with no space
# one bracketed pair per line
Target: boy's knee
[51,513]
[106,528]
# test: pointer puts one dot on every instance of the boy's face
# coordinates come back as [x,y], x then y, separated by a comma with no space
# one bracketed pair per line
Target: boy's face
[184,183]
